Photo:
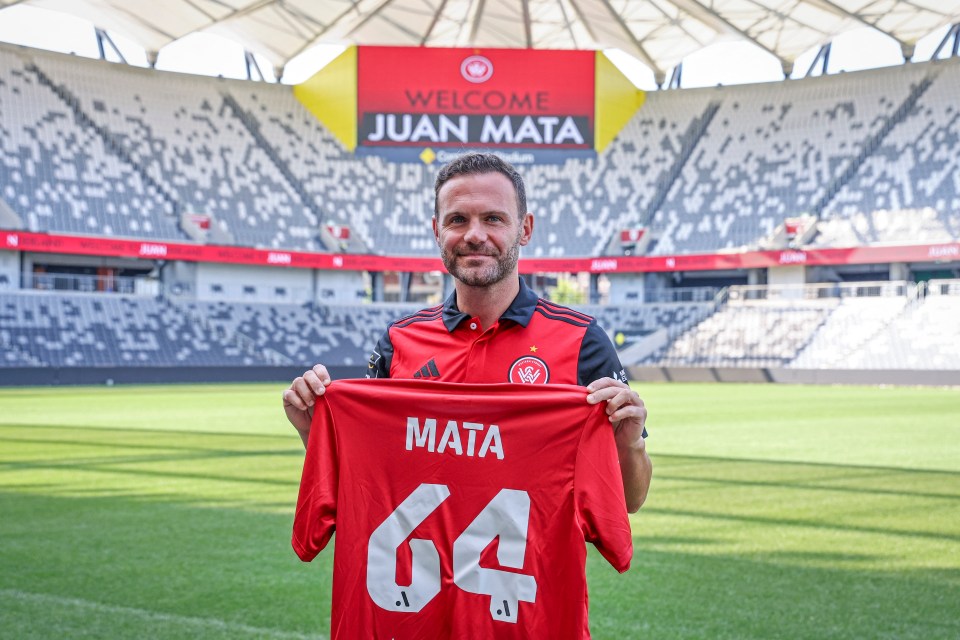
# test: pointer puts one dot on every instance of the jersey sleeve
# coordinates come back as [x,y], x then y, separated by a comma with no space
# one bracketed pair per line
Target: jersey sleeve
[379,364]
[598,359]
[598,491]
[316,515]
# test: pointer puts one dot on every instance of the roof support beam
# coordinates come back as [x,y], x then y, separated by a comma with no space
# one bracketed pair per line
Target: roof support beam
[823,57]
[676,77]
[828,5]
[527,31]
[954,32]
[104,38]
[721,25]
[477,19]
[346,13]
[638,47]
[433,23]
[568,23]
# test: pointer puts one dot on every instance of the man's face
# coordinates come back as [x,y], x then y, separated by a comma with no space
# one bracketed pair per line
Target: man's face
[478,228]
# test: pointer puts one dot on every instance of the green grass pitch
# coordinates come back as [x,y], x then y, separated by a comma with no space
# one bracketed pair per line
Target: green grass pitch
[775,512]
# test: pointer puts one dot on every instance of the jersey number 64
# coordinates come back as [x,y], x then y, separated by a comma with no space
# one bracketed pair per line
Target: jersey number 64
[507,516]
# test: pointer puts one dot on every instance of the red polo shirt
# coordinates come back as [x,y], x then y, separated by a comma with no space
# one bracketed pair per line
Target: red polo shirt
[533,342]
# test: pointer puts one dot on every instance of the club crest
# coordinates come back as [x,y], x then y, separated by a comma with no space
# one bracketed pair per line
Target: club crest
[476,69]
[529,370]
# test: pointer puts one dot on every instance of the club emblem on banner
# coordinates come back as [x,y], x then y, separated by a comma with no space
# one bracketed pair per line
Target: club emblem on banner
[476,69]
[529,370]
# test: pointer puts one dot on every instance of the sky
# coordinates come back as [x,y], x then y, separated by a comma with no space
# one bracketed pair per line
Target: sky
[208,54]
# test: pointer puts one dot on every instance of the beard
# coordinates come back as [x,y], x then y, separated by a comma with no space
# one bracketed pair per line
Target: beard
[484,276]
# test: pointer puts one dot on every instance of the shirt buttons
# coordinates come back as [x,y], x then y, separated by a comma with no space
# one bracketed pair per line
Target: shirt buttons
[473,325]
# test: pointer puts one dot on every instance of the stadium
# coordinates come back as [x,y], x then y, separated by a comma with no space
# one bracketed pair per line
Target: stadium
[164,233]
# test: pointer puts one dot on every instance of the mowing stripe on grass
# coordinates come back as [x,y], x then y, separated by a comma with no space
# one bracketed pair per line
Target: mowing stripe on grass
[153,616]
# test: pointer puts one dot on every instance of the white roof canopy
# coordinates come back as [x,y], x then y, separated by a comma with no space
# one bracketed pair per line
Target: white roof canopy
[660,33]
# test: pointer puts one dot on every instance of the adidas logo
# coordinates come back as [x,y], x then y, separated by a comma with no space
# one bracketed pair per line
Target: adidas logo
[428,370]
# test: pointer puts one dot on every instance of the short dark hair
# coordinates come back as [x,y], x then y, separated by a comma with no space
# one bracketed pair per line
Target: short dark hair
[478,163]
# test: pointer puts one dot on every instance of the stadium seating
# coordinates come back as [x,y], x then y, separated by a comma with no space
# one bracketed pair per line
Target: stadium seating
[925,336]
[748,334]
[772,152]
[89,147]
[57,173]
[908,189]
[95,330]
[91,330]
[884,326]
[870,154]
[853,324]
[177,129]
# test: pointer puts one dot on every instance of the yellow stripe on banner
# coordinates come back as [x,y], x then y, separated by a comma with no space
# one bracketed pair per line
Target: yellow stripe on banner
[331,96]
[617,100]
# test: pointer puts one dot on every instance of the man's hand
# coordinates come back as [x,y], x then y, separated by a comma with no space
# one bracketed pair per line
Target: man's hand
[628,415]
[299,398]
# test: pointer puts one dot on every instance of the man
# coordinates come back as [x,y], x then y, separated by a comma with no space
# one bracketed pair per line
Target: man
[493,328]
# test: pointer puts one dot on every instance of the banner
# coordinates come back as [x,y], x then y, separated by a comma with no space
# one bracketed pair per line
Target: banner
[159,250]
[416,99]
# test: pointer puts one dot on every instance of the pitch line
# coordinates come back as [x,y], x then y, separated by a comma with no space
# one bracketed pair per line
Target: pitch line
[153,616]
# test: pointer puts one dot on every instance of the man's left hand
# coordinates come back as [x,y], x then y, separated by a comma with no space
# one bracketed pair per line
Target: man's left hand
[628,415]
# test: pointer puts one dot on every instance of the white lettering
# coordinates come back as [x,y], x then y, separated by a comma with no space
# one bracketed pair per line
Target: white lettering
[153,249]
[459,130]
[528,130]
[452,439]
[548,122]
[491,132]
[427,436]
[13,241]
[404,134]
[569,130]
[492,443]
[793,257]
[944,252]
[279,258]
[603,265]
[473,427]
[425,129]
[377,135]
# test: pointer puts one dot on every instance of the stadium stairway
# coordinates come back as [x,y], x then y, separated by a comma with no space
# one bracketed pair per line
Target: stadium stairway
[108,140]
[690,140]
[872,144]
[250,122]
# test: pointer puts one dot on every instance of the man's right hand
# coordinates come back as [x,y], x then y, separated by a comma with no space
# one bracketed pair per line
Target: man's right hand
[299,398]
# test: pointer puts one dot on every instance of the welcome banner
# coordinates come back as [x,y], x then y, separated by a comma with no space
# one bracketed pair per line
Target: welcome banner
[417,99]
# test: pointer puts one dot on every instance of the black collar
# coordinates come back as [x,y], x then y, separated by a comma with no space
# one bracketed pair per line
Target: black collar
[520,310]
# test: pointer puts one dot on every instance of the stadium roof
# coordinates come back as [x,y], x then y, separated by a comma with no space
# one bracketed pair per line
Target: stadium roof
[660,33]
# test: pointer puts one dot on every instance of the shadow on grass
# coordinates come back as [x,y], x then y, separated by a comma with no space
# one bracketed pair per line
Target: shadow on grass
[676,596]
[164,570]
[155,570]
[184,431]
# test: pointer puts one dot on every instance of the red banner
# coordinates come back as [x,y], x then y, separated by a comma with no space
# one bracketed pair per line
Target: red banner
[153,250]
[501,98]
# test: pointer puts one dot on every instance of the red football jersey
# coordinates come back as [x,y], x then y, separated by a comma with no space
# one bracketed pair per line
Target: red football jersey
[461,511]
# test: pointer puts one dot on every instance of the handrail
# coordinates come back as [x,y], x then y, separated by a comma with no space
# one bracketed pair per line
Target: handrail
[819,291]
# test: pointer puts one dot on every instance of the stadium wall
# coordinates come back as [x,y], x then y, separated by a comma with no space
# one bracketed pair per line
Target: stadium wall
[54,376]
[899,377]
